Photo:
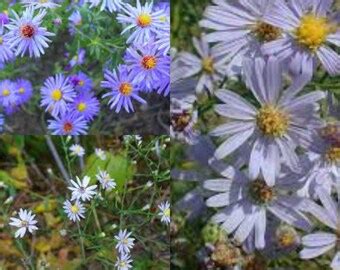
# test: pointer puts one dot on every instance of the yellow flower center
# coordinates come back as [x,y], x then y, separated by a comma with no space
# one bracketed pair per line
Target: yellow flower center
[56,94]
[74,209]
[265,32]
[122,264]
[43,1]
[81,83]
[149,62]
[1,40]
[180,121]
[313,31]
[272,121]
[208,65]
[125,89]
[286,239]
[82,106]
[6,93]
[144,20]
[21,90]
[167,212]
[260,192]
[333,154]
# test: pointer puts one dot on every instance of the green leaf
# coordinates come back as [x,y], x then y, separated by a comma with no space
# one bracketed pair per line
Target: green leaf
[119,167]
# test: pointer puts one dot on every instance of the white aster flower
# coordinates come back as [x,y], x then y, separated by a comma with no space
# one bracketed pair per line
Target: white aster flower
[105,180]
[25,222]
[165,212]
[124,262]
[77,150]
[125,243]
[36,4]
[100,153]
[81,190]
[110,5]
[74,211]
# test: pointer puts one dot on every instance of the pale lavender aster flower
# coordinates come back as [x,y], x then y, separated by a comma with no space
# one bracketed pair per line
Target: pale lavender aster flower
[142,20]
[240,29]
[208,65]
[283,120]
[310,35]
[78,59]
[26,34]
[25,222]
[56,93]
[36,4]
[125,242]
[319,243]
[81,189]
[123,262]
[164,213]
[75,211]
[122,89]
[248,202]
[2,122]
[324,159]
[110,5]
[105,180]
[68,124]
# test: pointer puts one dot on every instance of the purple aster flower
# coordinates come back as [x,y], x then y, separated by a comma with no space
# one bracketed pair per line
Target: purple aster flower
[240,29]
[317,244]
[310,33]
[6,53]
[8,96]
[164,85]
[147,64]
[210,67]
[81,82]
[24,91]
[3,19]
[163,40]
[110,5]
[87,105]
[248,204]
[123,89]
[26,33]
[68,124]
[283,120]
[56,93]
[75,20]
[78,59]
[142,20]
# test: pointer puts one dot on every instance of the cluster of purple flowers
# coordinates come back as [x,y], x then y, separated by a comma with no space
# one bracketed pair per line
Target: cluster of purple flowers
[71,102]
[283,150]
[69,98]
[147,60]
[14,94]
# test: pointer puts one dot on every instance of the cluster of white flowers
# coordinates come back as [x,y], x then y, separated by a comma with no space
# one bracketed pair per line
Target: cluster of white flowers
[123,246]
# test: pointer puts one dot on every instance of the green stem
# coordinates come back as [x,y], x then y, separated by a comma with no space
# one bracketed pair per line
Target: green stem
[95,216]
[81,239]
[28,259]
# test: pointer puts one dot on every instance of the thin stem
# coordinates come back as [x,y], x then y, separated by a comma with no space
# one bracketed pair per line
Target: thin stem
[95,216]
[66,156]
[81,159]
[57,158]
[28,259]
[81,239]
